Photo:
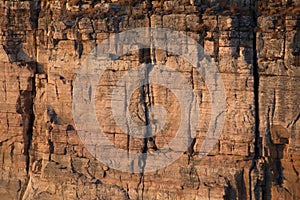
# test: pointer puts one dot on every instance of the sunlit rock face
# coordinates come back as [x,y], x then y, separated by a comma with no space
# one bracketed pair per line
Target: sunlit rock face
[256,48]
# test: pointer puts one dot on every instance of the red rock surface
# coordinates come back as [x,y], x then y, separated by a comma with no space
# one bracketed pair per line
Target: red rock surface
[256,47]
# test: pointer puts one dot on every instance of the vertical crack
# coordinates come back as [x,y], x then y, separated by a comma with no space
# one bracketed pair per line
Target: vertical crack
[253,172]
[145,100]
[145,57]
[35,8]
[257,149]
[24,106]
[26,99]
[5,91]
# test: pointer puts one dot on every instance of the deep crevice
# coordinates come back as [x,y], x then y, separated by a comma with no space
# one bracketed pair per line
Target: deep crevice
[255,71]
[257,150]
[28,116]
[144,57]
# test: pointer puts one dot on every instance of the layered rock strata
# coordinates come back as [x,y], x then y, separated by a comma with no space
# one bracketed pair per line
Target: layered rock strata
[256,46]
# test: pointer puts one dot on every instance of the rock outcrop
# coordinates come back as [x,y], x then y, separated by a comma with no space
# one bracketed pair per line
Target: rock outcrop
[256,46]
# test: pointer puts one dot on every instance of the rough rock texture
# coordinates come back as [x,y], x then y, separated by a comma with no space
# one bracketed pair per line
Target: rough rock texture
[256,46]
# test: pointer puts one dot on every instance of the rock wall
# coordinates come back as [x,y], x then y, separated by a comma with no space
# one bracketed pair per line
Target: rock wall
[256,46]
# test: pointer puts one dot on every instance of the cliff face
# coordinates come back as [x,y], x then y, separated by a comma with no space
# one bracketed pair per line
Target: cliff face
[256,46]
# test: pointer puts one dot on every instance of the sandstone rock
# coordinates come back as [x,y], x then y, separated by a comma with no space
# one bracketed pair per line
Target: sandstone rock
[44,43]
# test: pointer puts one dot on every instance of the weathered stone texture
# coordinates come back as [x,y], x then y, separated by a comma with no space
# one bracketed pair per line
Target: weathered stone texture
[256,49]
[279,76]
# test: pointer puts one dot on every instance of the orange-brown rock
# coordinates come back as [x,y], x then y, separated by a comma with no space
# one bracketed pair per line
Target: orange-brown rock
[256,47]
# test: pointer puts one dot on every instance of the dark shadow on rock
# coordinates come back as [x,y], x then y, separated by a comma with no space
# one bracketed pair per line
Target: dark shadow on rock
[13,41]
[241,187]
[70,128]
[53,118]
[296,44]
[35,8]
[230,192]
[278,139]
[13,46]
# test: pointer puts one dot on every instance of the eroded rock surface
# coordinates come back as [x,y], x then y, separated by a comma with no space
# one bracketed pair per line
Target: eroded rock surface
[255,46]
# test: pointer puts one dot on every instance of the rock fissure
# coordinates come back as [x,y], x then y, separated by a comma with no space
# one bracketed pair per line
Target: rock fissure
[259,66]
